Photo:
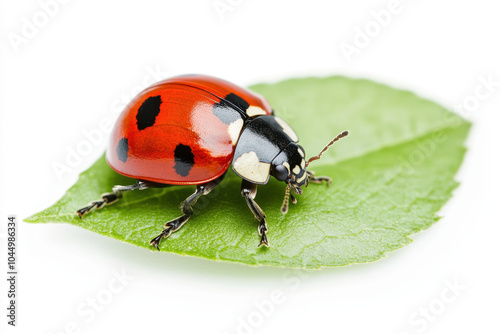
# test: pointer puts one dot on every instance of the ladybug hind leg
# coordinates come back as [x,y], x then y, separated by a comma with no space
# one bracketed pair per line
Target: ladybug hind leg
[187,210]
[249,191]
[110,198]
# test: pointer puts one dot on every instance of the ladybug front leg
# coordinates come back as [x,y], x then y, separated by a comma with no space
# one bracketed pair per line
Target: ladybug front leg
[110,198]
[187,210]
[318,179]
[249,191]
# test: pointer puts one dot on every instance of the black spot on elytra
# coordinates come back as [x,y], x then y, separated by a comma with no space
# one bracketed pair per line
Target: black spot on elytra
[149,109]
[184,159]
[225,110]
[122,149]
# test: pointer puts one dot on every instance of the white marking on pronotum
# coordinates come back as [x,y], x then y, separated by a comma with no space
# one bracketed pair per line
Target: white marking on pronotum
[249,167]
[287,166]
[301,152]
[234,130]
[303,164]
[296,170]
[254,111]
[287,129]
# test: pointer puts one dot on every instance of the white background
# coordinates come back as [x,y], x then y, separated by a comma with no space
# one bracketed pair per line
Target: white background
[75,71]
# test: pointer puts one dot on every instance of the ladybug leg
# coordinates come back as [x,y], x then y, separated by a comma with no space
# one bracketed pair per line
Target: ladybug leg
[318,179]
[110,198]
[187,210]
[249,191]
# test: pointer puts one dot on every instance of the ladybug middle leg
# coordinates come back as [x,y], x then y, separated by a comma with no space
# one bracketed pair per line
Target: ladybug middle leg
[187,210]
[110,198]
[249,190]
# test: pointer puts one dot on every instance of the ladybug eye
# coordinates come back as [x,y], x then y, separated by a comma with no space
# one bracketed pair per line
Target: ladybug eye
[281,173]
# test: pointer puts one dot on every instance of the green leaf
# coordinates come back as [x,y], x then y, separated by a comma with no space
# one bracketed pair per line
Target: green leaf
[390,176]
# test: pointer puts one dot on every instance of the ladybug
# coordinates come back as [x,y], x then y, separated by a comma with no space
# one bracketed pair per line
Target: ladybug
[188,130]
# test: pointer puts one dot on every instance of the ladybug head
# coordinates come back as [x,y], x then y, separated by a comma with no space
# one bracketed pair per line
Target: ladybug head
[290,166]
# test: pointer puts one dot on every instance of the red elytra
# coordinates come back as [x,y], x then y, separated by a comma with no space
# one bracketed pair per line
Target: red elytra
[178,117]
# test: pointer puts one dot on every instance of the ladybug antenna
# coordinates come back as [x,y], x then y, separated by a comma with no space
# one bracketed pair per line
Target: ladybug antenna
[316,157]
[288,196]
[284,207]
